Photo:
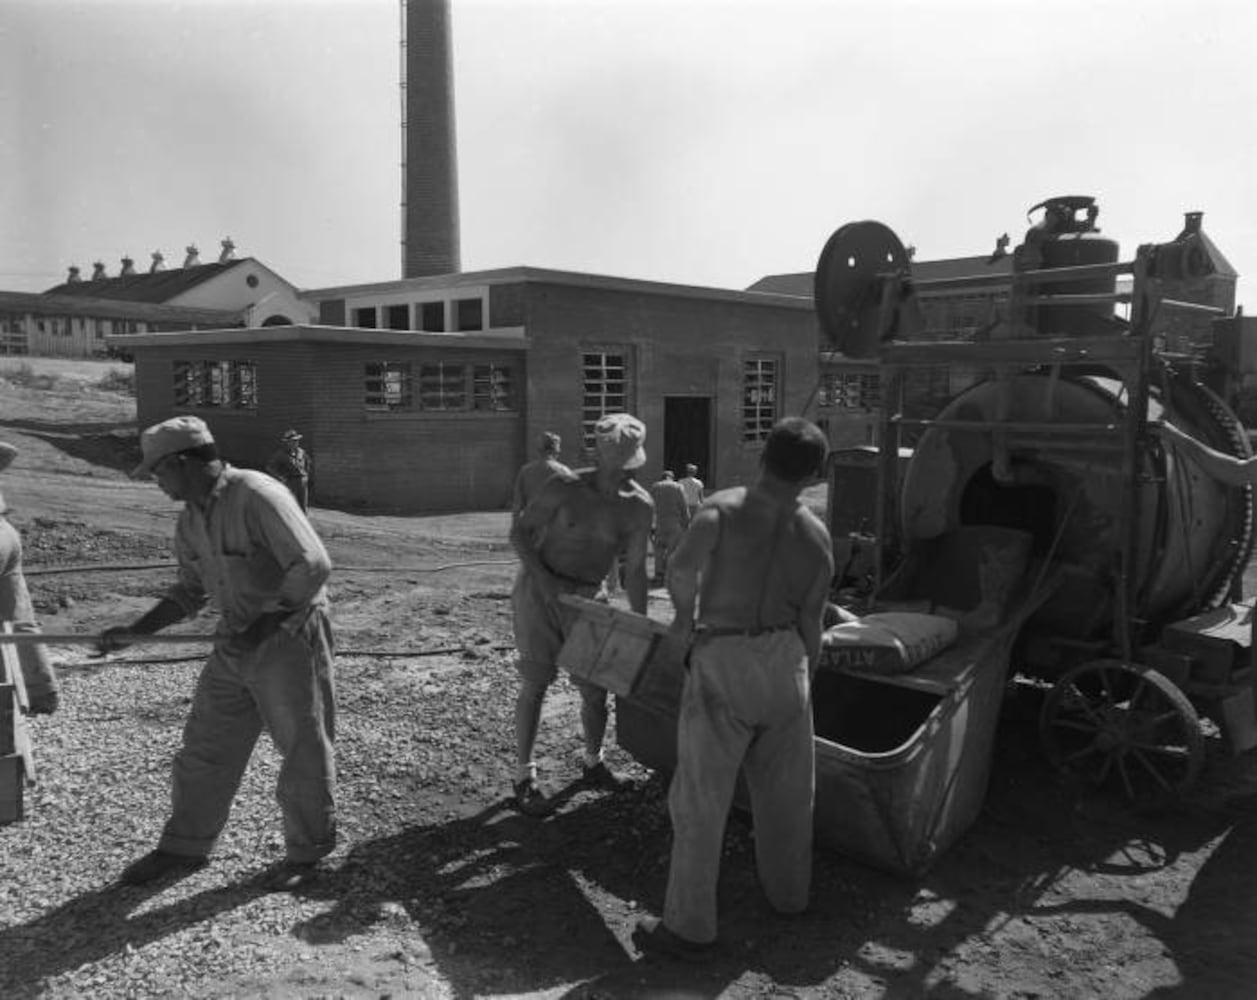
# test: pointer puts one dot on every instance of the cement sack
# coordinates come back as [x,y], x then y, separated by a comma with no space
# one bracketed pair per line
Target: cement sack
[889,642]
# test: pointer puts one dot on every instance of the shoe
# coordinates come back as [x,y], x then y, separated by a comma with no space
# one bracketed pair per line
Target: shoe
[159,864]
[600,776]
[289,876]
[530,799]
[652,937]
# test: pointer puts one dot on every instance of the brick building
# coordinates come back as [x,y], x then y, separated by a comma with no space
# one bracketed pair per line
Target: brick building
[427,394]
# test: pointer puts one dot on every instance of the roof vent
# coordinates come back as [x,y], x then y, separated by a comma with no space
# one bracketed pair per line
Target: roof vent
[128,267]
[193,258]
[159,263]
[229,251]
[98,271]
[74,277]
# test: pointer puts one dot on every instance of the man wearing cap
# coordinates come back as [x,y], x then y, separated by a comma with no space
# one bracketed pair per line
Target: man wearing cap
[749,583]
[693,488]
[243,543]
[290,464]
[38,675]
[672,517]
[567,539]
[533,475]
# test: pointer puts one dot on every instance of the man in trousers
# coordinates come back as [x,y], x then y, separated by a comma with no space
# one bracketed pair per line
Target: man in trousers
[243,542]
[38,676]
[757,566]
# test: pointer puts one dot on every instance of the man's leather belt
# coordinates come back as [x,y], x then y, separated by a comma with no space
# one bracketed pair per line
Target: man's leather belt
[571,581]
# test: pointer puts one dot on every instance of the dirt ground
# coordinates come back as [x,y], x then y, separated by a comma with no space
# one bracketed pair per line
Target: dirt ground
[440,889]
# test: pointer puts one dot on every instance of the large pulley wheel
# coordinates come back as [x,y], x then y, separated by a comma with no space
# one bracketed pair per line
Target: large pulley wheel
[1123,725]
[849,281]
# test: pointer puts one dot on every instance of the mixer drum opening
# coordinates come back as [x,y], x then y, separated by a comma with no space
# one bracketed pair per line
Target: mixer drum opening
[1025,505]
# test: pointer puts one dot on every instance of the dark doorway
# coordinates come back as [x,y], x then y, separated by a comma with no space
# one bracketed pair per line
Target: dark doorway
[687,435]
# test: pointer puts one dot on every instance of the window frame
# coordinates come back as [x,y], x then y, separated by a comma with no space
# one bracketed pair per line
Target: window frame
[753,410]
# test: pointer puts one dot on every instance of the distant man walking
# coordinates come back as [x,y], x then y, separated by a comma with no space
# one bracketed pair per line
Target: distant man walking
[672,517]
[38,676]
[533,475]
[693,487]
[757,565]
[243,543]
[567,540]
[290,464]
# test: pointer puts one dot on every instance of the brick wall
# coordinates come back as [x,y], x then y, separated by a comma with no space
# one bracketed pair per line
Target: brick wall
[409,462]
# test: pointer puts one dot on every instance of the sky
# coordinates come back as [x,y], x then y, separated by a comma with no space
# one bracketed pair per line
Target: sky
[706,142]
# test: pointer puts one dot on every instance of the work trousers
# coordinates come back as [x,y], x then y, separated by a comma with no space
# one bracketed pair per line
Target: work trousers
[285,686]
[667,535]
[746,705]
[299,487]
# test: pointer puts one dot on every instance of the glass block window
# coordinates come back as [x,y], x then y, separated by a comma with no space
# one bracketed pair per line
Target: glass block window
[229,385]
[605,383]
[759,398]
[386,385]
[443,386]
[492,388]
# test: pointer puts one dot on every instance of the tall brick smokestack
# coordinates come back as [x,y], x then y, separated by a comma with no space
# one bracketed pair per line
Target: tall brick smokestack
[430,167]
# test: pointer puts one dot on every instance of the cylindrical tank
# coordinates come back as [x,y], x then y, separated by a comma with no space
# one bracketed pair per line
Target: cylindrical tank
[1194,533]
[1064,239]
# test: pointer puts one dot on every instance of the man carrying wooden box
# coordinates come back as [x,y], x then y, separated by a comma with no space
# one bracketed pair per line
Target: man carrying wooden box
[567,540]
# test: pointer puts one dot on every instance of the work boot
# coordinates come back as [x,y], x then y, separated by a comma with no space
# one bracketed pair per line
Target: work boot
[600,776]
[653,937]
[531,800]
[289,876]
[160,864]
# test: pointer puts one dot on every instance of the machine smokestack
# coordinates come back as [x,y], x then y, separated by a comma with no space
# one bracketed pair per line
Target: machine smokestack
[430,243]
[128,267]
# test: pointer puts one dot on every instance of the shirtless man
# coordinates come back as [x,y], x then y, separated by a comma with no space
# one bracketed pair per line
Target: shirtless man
[533,475]
[758,565]
[567,540]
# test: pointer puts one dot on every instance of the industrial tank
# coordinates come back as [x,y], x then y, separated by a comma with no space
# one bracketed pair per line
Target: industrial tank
[1067,236]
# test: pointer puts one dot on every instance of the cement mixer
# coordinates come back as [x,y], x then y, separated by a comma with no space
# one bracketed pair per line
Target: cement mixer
[1144,630]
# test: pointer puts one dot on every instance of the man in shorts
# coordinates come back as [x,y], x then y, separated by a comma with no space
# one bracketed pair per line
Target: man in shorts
[567,539]
[749,582]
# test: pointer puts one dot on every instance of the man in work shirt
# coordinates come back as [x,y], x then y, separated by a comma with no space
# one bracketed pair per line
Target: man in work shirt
[38,675]
[242,542]
[533,475]
[567,540]
[672,517]
[693,487]
[290,464]
[762,563]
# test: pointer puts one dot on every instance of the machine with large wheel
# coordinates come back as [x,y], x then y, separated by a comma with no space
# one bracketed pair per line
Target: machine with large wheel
[1139,628]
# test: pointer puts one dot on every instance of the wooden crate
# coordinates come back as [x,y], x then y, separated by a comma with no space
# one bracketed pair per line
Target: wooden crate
[608,646]
[12,784]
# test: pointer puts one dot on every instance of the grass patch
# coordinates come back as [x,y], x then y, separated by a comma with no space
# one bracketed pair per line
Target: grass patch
[118,380]
[26,377]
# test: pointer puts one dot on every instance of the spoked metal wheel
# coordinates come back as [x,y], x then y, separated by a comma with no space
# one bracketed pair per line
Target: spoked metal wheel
[1125,725]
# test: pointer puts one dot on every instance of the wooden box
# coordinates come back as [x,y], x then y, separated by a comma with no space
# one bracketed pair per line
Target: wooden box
[12,783]
[608,646]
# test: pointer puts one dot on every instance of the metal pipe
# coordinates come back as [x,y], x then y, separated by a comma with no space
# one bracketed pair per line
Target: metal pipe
[80,639]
